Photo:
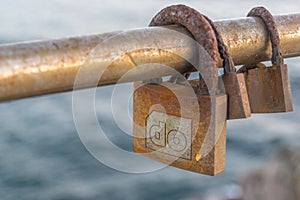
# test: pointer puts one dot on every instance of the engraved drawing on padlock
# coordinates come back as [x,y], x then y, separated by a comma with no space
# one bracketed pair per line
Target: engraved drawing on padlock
[157,134]
[176,140]
[172,136]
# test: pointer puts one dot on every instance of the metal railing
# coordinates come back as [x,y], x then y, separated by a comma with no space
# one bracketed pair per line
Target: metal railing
[43,67]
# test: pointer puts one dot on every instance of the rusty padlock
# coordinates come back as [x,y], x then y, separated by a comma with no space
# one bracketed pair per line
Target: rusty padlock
[268,87]
[175,127]
[235,86]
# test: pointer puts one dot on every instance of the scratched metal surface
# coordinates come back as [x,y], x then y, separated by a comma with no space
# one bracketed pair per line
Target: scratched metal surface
[41,156]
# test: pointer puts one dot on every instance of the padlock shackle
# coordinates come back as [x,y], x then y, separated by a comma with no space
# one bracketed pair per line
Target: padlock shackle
[227,63]
[271,27]
[195,23]
[203,33]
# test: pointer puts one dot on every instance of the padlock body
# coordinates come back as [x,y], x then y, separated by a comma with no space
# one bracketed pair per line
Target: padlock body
[238,102]
[269,89]
[191,136]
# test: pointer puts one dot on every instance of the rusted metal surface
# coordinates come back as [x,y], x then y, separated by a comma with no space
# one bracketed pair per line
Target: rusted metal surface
[269,90]
[201,31]
[248,41]
[36,68]
[186,131]
[193,21]
[269,87]
[270,24]
[202,120]
[238,100]
[235,86]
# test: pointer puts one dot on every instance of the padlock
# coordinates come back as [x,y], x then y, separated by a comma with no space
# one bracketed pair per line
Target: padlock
[268,87]
[166,134]
[238,101]
[175,127]
[234,83]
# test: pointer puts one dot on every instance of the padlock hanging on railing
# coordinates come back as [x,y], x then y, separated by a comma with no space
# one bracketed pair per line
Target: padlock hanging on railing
[235,86]
[192,138]
[268,87]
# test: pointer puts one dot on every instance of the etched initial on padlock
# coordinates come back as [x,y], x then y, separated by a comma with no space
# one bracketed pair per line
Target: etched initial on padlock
[172,136]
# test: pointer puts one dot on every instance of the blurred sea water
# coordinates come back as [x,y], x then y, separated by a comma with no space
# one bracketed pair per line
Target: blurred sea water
[41,155]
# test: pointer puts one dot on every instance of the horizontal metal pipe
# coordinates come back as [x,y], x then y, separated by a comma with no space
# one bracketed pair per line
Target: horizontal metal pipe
[43,67]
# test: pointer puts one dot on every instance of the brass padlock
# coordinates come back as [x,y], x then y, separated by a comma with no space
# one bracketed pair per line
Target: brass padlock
[268,87]
[184,126]
[235,86]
